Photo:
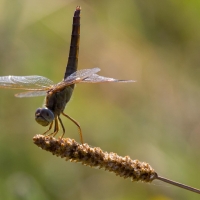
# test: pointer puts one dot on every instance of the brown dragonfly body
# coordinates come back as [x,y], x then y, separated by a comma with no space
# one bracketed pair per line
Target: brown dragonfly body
[57,95]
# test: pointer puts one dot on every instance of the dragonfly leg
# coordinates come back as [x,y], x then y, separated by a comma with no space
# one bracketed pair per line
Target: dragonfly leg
[62,126]
[56,128]
[50,127]
[75,122]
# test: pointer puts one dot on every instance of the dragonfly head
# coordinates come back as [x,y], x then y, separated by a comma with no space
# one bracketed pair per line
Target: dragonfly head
[44,116]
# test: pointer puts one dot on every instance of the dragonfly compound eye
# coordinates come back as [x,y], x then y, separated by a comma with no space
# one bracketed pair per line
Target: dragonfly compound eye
[44,116]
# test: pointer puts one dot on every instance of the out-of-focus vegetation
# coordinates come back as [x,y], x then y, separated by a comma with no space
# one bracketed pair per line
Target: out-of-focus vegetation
[156,120]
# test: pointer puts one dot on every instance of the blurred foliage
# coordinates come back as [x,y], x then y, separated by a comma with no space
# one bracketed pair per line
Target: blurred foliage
[155,120]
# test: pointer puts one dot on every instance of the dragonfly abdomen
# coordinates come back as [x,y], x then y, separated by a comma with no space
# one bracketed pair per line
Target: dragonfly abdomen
[74,46]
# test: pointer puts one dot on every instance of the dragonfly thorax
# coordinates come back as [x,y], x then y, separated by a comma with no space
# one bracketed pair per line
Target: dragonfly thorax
[44,116]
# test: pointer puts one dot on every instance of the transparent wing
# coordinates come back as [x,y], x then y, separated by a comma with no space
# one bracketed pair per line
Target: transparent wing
[74,78]
[80,75]
[25,82]
[85,76]
[31,94]
[94,78]
[89,76]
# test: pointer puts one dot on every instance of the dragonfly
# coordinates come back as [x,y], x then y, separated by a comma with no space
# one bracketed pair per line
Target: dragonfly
[57,95]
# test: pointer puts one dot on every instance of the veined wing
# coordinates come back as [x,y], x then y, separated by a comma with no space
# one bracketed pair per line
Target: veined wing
[94,78]
[90,76]
[75,77]
[25,82]
[37,85]
[81,74]
[34,93]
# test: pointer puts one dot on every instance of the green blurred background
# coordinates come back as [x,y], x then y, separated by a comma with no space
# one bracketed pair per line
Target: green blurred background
[156,119]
